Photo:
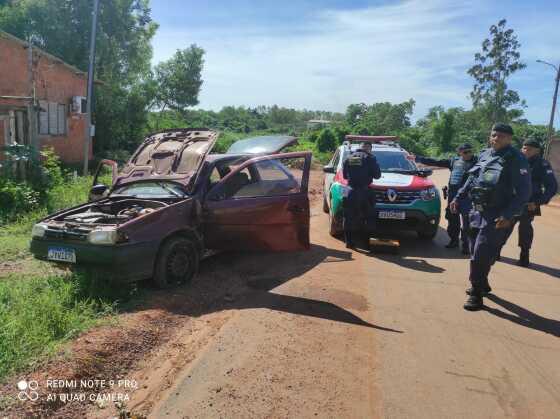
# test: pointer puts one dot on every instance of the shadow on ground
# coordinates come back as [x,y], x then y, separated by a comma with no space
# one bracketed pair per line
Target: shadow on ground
[414,252]
[245,280]
[534,267]
[523,317]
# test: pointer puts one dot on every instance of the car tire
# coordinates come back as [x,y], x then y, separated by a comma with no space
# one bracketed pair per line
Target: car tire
[177,262]
[335,227]
[429,233]
[325,205]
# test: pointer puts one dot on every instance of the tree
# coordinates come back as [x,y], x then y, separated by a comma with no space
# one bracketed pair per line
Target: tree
[326,141]
[380,118]
[179,79]
[498,60]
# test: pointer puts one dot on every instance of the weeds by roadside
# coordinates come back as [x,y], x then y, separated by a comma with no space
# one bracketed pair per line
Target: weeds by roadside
[37,314]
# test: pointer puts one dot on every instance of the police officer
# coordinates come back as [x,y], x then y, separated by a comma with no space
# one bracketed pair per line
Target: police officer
[544,187]
[458,223]
[360,168]
[499,185]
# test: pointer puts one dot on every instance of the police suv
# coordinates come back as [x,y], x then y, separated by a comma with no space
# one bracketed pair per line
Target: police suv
[406,199]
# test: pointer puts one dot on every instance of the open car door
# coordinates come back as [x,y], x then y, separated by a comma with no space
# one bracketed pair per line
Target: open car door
[261,205]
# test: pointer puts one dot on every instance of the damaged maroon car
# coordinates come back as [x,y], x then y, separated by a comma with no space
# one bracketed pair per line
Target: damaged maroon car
[174,200]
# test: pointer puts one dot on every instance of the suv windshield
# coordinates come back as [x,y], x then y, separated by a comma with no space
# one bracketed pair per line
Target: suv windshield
[390,161]
[150,190]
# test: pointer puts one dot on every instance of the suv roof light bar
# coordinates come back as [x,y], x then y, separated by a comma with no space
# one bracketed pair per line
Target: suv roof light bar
[372,138]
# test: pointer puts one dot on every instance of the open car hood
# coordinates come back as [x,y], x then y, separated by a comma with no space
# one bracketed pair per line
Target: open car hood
[267,144]
[175,154]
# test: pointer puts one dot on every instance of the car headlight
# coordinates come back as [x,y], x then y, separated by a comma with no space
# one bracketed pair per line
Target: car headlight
[103,236]
[39,230]
[428,194]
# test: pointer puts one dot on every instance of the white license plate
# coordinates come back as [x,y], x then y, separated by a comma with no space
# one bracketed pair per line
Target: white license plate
[62,254]
[392,215]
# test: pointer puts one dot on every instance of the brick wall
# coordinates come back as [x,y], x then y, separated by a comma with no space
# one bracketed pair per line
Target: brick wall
[54,82]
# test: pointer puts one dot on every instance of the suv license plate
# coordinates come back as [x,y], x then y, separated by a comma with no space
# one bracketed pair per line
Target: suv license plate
[392,215]
[62,254]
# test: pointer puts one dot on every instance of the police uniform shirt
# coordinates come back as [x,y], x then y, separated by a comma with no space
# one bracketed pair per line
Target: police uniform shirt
[543,181]
[360,168]
[505,173]
[459,170]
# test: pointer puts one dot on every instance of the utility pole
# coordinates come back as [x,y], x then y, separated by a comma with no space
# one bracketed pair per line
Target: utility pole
[553,112]
[89,99]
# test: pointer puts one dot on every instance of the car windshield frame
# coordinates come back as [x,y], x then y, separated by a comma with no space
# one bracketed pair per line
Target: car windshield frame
[169,189]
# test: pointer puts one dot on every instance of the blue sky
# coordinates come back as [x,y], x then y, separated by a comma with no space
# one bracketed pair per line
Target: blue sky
[326,54]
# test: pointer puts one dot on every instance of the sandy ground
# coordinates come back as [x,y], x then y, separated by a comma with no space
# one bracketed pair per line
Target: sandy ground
[336,333]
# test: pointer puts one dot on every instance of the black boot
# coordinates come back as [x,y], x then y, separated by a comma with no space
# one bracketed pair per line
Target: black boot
[474,302]
[454,243]
[524,258]
[465,249]
[486,289]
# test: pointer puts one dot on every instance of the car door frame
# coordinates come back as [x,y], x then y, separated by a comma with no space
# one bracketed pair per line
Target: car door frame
[115,172]
[222,232]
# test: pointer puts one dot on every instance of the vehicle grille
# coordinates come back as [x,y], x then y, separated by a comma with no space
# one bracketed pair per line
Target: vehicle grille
[66,234]
[403,197]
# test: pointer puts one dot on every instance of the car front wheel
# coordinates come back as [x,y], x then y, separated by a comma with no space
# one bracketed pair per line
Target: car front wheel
[177,262]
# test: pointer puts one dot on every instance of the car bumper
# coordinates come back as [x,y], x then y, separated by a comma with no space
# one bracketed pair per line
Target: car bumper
[415,220]
[123,262]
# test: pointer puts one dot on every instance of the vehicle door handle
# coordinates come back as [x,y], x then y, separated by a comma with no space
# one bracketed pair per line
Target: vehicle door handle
[296,208]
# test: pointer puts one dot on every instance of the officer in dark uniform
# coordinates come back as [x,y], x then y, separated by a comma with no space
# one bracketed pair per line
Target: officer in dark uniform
[458,223]
[544,187]
[499,185]
[360,168]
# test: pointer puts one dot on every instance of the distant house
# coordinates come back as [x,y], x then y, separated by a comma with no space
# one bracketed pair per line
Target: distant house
[42,101]
[317,123]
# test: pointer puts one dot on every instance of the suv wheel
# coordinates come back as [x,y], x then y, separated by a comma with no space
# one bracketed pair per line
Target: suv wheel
[177,262]
[428,233]
[335,226]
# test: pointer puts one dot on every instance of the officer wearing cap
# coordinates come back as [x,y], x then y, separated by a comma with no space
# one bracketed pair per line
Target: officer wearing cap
[360,168]
[499,185]
[544,187]
[457,223]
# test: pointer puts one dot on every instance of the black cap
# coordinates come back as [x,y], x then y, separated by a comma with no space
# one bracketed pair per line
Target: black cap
[531,142]
[464,147]
[505,128]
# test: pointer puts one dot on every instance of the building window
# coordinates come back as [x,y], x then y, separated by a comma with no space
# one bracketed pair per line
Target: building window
[52,118]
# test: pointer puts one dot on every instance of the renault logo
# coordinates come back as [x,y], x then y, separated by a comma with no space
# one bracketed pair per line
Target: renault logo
[392,195]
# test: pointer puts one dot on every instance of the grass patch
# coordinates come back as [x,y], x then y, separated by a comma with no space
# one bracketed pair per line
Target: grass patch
[37,314]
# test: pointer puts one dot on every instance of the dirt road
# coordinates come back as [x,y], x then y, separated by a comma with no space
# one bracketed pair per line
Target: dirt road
[333,333]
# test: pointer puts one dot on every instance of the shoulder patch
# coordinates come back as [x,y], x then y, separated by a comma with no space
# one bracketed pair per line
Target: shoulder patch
[523,171]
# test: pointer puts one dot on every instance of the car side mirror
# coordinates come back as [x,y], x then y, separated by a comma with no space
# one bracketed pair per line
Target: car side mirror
[97,191]
[329,169]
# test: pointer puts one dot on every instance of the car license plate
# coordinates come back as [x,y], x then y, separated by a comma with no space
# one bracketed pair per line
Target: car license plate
[392,215]
[62,254]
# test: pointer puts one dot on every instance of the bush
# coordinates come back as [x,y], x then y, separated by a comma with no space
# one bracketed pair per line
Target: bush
[326,141]
[16,198]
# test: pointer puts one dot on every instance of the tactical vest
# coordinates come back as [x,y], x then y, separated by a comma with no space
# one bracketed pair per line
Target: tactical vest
[460,171]
[493,184]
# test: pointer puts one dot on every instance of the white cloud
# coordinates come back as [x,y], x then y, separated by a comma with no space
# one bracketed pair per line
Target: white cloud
[414,49]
